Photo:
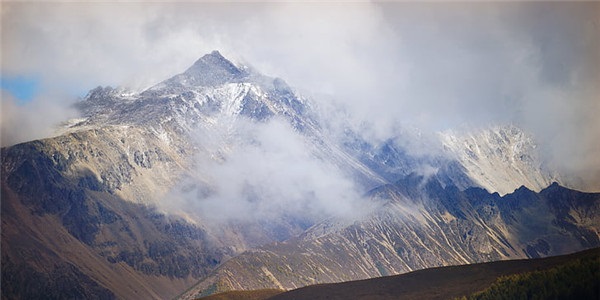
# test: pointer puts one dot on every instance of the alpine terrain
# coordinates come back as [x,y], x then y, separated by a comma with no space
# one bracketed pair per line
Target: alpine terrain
[221,178]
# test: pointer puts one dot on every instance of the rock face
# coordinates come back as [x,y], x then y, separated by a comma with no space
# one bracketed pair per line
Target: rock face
[420,224]
[89,213]
[65,221]
[481,153]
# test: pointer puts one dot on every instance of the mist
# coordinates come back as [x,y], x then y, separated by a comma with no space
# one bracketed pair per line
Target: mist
[433,66]
[251,171]
[37,119]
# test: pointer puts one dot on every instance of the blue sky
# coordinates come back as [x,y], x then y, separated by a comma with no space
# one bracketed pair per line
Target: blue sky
[22,88]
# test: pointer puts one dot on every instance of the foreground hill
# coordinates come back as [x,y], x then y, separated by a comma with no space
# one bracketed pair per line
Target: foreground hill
[454,282]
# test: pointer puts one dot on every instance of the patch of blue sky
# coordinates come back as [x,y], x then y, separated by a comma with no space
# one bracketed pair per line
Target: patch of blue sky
[23,88]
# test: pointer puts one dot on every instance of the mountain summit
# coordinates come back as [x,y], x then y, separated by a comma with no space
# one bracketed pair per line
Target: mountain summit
[213,63]
[211,69]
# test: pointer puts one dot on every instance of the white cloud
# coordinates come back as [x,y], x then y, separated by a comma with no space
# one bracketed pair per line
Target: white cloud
[260,171]
[34,120]
[436,65]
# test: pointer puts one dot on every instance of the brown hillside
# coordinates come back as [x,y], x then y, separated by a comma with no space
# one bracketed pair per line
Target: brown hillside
[435,283]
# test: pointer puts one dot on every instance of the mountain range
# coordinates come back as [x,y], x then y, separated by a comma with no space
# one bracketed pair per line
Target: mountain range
[221,178]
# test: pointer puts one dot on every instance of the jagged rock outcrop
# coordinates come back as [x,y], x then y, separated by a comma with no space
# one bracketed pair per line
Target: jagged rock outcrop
[500,158]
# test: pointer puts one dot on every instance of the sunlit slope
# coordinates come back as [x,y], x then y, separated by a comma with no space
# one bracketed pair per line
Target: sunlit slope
[420,225]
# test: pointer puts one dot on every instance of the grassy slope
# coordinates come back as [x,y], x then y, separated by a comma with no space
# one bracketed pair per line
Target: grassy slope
[245,295]
[435,283]
[578,279]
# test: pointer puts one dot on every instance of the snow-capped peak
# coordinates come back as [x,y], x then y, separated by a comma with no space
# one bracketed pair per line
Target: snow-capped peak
[210,70]
[213,62]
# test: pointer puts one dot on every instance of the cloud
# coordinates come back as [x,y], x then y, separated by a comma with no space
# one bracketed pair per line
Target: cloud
[78,46]
[256,171]
[430,65]
[36,119]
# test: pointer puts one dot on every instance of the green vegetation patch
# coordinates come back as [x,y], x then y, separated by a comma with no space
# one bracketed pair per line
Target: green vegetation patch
[579,279]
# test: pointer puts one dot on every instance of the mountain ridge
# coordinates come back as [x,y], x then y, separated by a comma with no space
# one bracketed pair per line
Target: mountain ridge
[419,229]
[110,183]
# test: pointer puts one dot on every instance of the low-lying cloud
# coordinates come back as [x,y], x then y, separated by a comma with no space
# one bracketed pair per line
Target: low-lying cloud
[253,171]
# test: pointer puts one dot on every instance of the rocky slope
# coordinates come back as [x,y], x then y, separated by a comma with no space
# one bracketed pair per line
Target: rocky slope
[90,202]
[499,159]
[65,220]
[420,224]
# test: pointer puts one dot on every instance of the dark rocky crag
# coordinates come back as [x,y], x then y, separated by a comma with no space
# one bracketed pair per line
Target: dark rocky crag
[68,235]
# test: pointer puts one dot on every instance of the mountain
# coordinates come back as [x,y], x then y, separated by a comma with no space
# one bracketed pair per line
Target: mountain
[93,202]
[73,215]
[219,174]
[420,225]
[84,204]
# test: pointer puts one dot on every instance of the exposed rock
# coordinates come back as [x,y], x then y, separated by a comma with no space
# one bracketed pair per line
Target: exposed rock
[421,225]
